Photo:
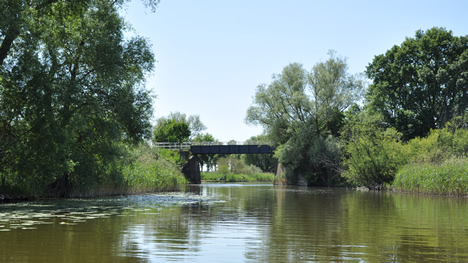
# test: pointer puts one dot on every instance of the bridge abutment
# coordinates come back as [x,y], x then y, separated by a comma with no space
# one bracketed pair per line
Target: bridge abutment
[191,170]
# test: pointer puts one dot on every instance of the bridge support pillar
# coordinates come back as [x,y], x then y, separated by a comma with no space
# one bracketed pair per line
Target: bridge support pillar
[191,170]
[279,173]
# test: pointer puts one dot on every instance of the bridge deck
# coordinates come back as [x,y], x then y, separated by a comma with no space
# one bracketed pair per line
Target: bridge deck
[219,148]
[232,149]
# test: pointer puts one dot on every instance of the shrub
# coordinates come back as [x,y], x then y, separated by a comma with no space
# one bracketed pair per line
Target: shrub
[374,155]
[316,158]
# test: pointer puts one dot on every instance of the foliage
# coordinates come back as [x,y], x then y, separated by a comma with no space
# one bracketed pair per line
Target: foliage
[236,165]
[376,155]
[172,130]
[438,162]
[300,110]
[373,153]
[282,105]
[315,158]
[71,92]
[449,177]
[431,149]
[255,177]
[421,84]
[333,91]
[296,98]
[266,162]
[223,169]
[172,157]
[193,121]
[442,144]
[149,170]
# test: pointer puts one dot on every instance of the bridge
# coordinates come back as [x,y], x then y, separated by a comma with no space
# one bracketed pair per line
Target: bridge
[197,148]
[191,169]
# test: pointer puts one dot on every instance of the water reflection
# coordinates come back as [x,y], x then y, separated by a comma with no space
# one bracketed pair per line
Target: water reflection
[238,223]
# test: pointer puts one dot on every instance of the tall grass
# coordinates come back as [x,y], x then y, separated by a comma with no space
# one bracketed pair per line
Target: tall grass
[142,170]
[450,177]
[255,177]
[153,177]
[153,170]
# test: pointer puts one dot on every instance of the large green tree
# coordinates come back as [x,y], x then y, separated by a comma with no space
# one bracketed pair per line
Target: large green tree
[71,91]
[172,130]
[421,84]
[300,110]
[196,126]
[297,98]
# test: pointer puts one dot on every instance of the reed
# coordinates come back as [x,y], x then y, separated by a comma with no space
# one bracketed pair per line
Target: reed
[255,177]
[143,170]
[447,178]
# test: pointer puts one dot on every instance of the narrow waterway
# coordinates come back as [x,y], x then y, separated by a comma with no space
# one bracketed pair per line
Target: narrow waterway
[238,223]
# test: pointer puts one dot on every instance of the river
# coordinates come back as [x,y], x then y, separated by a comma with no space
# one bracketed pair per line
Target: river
[238,223]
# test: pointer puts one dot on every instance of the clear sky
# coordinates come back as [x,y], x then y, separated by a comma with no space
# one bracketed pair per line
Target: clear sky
[212,54]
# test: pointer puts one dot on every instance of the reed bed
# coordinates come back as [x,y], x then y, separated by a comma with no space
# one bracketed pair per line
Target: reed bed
[255,177]
[448,178]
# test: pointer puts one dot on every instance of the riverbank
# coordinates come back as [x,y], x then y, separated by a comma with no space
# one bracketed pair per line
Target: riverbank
[140,170]
[256,177]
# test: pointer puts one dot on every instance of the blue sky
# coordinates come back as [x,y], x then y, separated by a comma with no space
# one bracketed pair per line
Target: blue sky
[212,54]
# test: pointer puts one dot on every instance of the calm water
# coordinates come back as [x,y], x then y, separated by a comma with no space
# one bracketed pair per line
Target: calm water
[238,223]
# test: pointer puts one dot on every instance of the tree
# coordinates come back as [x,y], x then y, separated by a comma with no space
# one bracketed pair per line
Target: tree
[297,98]
[196,126]
[172,130]
[421,84]
[283,105]
[333,91]
[300,110]
[266,162]
[71,90]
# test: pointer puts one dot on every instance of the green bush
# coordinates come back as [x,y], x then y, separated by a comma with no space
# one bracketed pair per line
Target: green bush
[374,155]
[315,158]
[236,165]
[437,162]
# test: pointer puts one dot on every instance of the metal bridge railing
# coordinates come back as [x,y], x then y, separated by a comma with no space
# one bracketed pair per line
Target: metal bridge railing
[173,145]
[186,145]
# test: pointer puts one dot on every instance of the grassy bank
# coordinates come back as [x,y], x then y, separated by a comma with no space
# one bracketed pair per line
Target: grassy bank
[140,169]
[448,178]
[256,177]
[143,170]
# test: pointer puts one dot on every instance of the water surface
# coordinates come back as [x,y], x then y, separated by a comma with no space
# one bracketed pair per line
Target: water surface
[238,223]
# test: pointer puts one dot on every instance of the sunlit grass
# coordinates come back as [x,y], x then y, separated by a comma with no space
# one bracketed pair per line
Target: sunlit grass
[145,170]
[256,177]
[450,177]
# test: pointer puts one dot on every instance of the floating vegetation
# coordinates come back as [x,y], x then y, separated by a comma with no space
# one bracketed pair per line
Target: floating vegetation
[70,212]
